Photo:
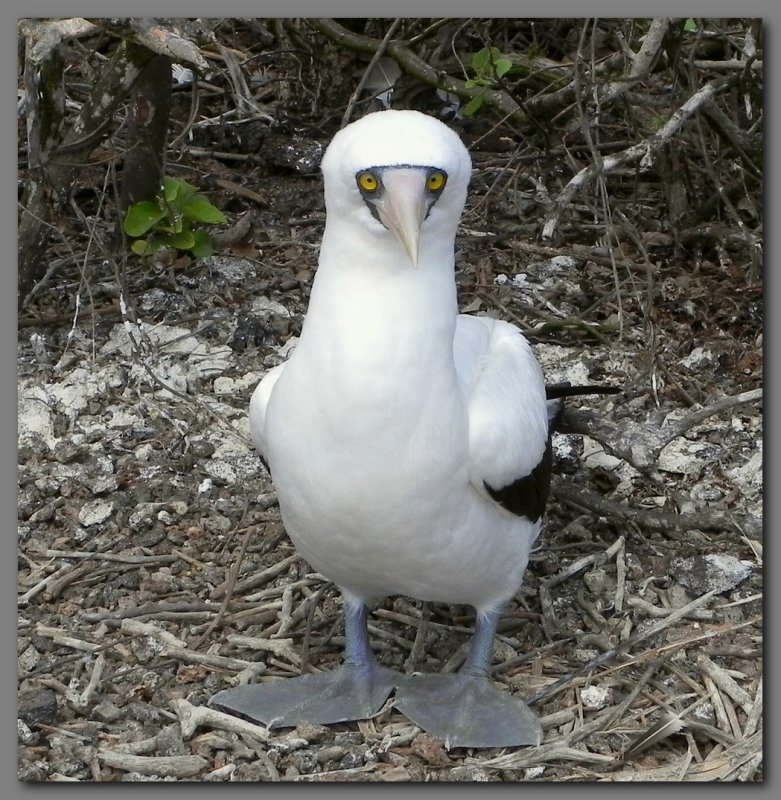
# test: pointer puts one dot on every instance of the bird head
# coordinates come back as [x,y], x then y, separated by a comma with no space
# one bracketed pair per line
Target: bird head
[397,178]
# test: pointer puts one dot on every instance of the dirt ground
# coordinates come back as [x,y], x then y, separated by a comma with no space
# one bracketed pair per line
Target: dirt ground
[637,635]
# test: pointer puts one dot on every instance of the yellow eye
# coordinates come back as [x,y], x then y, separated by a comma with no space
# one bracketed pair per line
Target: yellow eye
[368,182]
[436,181]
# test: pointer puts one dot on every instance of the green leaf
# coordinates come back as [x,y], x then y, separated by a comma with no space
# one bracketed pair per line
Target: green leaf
[142,247]
[473,106]
[502,66]
[690,26]
[175,190]
[142,217]
[199,209]
[481,59]
[180,241]
[202,246]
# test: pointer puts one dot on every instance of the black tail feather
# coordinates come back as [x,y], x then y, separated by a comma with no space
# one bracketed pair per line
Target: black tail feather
[554,391]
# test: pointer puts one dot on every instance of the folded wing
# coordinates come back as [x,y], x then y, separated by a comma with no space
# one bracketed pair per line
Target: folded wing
[509,443]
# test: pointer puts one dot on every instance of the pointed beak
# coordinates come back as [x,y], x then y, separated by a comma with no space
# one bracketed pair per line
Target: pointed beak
[404,206]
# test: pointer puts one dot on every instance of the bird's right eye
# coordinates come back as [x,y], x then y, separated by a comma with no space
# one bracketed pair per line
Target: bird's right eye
[367,181]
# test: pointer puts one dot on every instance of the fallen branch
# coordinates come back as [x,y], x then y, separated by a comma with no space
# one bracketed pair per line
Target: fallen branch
[641,447]
[647,519]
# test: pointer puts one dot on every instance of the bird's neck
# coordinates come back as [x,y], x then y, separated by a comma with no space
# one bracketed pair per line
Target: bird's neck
[372,312]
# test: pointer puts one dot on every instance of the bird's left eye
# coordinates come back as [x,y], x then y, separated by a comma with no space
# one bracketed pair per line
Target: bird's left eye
[436,181]
[367,181]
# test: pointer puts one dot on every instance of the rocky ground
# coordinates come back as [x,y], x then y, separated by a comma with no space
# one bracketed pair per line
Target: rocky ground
[154,569]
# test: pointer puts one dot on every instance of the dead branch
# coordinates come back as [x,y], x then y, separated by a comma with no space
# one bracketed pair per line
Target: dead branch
[154,37]
[415,66]
[641,447]
[658,521]
[641,63]
[642,151]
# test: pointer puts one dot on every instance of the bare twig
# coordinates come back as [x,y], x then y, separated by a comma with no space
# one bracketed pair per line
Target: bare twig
[365,77]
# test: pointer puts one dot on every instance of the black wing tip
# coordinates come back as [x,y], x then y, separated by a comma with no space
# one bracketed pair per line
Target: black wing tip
[527,496]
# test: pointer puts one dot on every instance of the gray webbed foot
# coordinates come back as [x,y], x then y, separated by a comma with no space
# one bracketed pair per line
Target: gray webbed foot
[348,693]
[466,710]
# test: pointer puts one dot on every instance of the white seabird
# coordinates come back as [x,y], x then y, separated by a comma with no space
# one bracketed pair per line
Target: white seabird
[408,444]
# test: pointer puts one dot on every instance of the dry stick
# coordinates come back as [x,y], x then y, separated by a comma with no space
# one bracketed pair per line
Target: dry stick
[755,712]
[43,584]
[155,37]
[192,717]
[259,578]
[657,611]
[279,647]
[60,637]
[85,697]
[419,645]
[643,151]
[623,647]
[310,617]
[365,77]
[582,563]
[229,585]
[156,610]
[285,613]
[618,602]
[206,659]
[718,704]
[725,682]
[135,627]
[659,521]
[642,61]
[165,766]
[87,555]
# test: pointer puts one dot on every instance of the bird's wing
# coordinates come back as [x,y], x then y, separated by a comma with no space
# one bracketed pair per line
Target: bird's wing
[509,444]
[257,408]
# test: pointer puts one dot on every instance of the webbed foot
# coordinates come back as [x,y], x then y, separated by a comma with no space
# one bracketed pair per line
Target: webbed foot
[466,710]
[348,693]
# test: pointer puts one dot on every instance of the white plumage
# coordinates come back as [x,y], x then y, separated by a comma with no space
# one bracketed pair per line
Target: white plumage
[396,422]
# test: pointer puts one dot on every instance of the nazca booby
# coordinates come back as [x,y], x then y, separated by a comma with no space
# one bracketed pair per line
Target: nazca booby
[408,445]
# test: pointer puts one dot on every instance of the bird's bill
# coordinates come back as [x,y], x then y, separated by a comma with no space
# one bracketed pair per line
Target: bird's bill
[404,206]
